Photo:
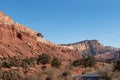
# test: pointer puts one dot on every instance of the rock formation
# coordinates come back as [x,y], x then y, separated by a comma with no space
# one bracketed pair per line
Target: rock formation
[92,47]
[18,40]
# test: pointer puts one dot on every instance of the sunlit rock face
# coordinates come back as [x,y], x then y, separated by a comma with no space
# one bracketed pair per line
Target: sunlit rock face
[19,40]
[15,39]
[87,47]
[5,19]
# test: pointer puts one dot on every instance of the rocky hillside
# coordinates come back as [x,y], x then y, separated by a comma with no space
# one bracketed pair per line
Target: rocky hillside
[94,48]
[90,47]
[18,40]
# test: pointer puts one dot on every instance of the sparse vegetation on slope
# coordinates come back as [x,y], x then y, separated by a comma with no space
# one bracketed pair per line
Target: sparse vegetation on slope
[43,59]
[85,62]
[117,65]
[56,62]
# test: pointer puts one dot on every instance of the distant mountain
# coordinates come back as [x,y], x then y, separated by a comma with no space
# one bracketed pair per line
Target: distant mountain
[109,48]
[18,40]
[112,53]
[94,48]
[87,47]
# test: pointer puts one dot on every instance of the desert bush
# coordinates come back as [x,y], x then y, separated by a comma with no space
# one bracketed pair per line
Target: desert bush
[27,61]
[76,63]
[25,65]
[33,61]
[89,62]
[56,62]
[6,64]
[15,61]
[86,62]
[30,61]
[10,75]
[43,59]
[117,65]
[39,35]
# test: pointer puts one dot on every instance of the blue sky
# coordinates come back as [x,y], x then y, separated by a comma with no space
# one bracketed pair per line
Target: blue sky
[68,21]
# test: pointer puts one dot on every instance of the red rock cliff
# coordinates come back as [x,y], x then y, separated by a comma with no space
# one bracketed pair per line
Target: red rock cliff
[18,40]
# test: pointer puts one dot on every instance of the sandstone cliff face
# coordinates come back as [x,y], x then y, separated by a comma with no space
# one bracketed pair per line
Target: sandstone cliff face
[5,19]
[18,40]
[87,47]
[94,48]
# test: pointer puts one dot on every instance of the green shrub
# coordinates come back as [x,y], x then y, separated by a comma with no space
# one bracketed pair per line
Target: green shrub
[56,62]
[6,64]
[43,59]
[117,65]
[27,61]
[86,62]
[10,75]
[30,61]
[25,65]
[39,35]
[76,63]
[89,62]
[15,61]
